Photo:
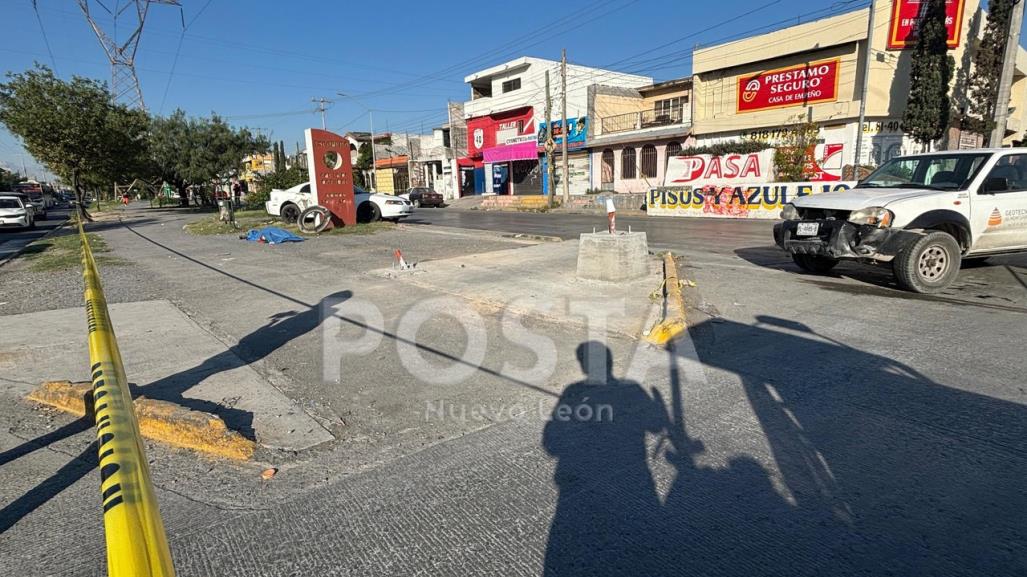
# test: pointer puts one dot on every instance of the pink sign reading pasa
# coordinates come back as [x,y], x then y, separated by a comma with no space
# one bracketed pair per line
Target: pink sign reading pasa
[520,151]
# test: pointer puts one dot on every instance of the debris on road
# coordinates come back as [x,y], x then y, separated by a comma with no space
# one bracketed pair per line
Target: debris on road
[271,235]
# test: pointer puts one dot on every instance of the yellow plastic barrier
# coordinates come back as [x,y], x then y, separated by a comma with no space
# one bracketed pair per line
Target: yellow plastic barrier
[136,545]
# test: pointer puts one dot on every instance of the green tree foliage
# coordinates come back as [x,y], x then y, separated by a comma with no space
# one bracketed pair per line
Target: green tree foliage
[73,128]
[8,179]
[794,159]
[199,151]
[987,68]
[927,110]
[365,158]
[279,179]
[280,165]
[733,147]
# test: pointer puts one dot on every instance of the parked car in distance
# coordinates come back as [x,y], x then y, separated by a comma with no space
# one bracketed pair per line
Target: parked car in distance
[36,206]
[923,214]
[289,203]
[14,213]
[422,196]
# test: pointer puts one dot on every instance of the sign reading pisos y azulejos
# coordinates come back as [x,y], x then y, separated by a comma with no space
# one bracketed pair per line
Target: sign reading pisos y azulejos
[758,200]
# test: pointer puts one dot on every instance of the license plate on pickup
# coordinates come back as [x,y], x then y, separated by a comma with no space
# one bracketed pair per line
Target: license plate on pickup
[807,229]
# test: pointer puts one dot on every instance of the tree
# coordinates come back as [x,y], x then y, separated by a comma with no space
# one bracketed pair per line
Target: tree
[281,156]
[73,128]
[8,179]
[988,61]
[794,159]
[365,158]
[199,151]
[276,158]
[927,109]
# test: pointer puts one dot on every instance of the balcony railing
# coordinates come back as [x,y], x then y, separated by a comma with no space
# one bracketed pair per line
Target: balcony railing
[640,120]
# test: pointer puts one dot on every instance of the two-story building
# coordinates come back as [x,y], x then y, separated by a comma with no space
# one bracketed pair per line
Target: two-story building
[506,110]
[635,131]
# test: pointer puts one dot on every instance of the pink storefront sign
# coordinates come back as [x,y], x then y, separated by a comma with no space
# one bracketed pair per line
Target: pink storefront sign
[520,151]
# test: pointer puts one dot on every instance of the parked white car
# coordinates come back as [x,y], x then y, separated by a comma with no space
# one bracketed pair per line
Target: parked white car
[15,213]
[289,203]
[922,214]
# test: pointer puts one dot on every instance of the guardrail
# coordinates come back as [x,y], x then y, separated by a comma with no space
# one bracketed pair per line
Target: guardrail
[136,544]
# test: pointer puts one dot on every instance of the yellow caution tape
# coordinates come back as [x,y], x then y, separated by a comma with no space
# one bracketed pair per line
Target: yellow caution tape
[136,544]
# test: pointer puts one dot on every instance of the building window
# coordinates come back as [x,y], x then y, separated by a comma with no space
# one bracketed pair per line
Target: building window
[669,106]
[673,149]
[627,163]
[649,161]
[607,175]
[511,85]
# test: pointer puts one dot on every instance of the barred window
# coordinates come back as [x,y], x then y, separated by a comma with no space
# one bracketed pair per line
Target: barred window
[673,149]
[649,161]
[627,163]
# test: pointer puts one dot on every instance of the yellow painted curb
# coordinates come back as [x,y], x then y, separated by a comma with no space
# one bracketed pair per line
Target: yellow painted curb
[158,420]
[673,323]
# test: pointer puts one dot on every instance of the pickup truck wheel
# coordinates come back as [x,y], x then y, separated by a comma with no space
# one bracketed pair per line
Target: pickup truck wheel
[290,213]
[928,265]
[417,204]
[815,264]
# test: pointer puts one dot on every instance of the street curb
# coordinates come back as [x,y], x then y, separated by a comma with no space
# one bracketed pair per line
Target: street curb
[158,420]
[673,323]
[18,252]
[539,237]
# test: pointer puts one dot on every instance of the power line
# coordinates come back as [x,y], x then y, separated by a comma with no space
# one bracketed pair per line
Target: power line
[46,41]
[178,50]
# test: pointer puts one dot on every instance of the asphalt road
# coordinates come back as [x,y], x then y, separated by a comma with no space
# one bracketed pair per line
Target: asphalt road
[12,241]
[805,425]
[1000,281]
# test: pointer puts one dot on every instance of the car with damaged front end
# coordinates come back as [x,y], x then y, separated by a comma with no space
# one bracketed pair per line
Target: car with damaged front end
[923,214]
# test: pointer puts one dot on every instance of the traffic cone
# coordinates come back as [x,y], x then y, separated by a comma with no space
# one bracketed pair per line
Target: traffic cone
[398,261]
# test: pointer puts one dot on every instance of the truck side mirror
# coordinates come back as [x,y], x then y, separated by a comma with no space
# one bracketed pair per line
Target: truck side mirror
[994,184]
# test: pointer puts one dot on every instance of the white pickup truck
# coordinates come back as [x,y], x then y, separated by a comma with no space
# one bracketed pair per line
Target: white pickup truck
[924,214]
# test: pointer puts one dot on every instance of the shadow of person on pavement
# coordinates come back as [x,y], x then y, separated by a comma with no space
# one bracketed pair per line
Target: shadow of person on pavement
[875,469]
[597,433]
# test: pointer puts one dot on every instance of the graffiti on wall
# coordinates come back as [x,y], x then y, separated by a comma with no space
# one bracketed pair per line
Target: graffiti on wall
[756,200]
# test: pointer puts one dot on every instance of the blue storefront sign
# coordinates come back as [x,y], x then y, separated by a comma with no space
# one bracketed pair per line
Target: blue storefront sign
[577,131]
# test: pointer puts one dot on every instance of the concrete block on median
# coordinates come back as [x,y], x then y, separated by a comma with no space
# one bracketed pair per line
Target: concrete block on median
[613,257]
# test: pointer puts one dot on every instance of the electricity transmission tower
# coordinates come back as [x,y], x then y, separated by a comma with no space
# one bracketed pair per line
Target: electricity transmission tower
[125,87]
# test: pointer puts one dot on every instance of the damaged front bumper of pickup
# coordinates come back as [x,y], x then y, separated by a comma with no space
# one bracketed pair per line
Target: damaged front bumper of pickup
[841,239]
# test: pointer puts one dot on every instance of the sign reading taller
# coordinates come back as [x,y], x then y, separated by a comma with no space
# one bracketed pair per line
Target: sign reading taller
[907,14]
[331,174]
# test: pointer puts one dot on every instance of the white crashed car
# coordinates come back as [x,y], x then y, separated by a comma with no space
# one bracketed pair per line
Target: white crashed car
[289,203]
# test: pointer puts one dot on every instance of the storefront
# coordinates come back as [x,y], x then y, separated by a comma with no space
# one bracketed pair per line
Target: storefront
[502,147]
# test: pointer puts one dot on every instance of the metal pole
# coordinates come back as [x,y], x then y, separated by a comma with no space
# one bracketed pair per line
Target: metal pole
[374,156]
[550,167]
[1006,80]
[858,157]
[563,127]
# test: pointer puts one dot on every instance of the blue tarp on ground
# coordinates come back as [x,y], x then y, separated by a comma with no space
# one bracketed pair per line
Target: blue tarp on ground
[272,235]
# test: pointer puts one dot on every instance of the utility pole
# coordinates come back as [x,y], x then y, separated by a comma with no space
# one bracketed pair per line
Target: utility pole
[863,98]
[374,155]
[563,128]
[550,146]
[454,164]
[320,102]
[1006,79]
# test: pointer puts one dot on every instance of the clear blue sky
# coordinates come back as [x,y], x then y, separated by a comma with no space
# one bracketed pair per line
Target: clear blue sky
[260,62]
